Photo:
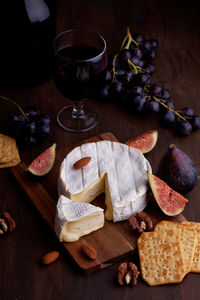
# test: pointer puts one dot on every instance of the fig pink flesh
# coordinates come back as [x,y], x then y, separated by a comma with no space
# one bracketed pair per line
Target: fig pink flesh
[43,163]
[171,202]
[144,142]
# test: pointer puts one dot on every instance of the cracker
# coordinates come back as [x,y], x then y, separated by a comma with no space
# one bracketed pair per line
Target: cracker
[3,144]
[11,163]
[9,154]
[196,258]
[10,150]
[196,225]
[161,258]
[188,238]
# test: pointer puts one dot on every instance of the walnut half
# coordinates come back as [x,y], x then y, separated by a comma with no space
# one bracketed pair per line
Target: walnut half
[141,222]
[127,274]
[7,224]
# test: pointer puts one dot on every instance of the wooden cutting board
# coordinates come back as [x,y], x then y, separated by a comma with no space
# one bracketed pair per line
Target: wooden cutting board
[113,242]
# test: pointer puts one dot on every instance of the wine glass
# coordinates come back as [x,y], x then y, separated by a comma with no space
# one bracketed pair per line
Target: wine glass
[80,63]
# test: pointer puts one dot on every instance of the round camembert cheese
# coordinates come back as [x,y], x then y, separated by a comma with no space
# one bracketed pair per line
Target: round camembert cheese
[115,169]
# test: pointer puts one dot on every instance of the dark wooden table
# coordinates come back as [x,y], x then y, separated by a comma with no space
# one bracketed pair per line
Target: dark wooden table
[176,25]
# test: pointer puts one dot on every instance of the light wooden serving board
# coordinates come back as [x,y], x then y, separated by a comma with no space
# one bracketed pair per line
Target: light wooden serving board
[113,242]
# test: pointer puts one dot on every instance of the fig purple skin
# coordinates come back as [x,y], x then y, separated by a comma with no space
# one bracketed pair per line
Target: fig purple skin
[177,170]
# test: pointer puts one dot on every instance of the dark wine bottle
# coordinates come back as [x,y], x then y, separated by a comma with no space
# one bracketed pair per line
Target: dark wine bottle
[27,31]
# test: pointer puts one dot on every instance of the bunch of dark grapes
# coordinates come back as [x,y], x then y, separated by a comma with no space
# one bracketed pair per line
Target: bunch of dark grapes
[30,127]
[129,80]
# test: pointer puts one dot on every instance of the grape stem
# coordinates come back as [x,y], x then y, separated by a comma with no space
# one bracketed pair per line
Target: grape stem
[130,39]
[162,103]
[17,105]
[131,65]
[169,108]
[127,40]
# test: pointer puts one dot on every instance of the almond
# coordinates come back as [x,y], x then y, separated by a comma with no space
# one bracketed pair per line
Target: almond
[50,257]
[89,251]
[81,163]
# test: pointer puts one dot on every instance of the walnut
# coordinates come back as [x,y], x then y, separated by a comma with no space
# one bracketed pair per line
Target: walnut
[10,221]
[3,226]
[134,225]
[135,273]
[122,271]
[140,222]
[144,218]
[127,274]
[6,223]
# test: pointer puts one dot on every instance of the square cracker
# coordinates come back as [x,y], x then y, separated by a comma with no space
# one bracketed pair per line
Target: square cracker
[10,150]
[188,238]
[9,154]
[161,258]
[3,144]
[196,258]
[196,225]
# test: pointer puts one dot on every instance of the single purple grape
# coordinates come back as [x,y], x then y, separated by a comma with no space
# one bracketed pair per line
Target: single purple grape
[153,43]
[149,55]
[152,107]
[155,90]
[28,142]
[29,128]
[184,128]
[139,104]
[144,79]
[145,45]
[137,90]
[126,78]
[103,93]
[138,37]
[135,61]
[108,77]
[141,63]
[150,68]
[124,55]
[31,111]
[42,132]
[42,120]
[137,53]
[187,112]
[169,118]
[117,89]
[195,122]
[165,94]
[169,103]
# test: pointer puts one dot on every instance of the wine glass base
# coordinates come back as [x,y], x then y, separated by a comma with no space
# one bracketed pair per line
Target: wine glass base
[80,123]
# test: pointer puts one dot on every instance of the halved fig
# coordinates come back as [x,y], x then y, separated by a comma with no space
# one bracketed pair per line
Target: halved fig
[44,162]
[170,202]
[144,142]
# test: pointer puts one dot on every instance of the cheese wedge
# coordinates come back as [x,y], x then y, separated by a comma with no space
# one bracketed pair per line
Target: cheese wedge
[116,169]
[75,219]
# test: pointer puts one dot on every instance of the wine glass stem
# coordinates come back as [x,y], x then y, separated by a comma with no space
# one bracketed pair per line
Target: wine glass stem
[78,111]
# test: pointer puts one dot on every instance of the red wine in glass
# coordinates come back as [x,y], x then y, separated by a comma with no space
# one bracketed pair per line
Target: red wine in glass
[76,79]
[80,64]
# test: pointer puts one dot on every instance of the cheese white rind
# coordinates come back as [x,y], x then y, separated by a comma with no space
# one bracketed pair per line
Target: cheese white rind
[116,169]
[75,219]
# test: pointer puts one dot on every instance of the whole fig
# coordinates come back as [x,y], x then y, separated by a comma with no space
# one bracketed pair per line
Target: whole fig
[177,170]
